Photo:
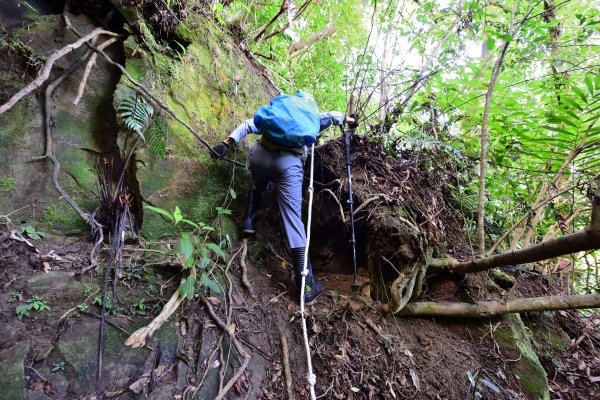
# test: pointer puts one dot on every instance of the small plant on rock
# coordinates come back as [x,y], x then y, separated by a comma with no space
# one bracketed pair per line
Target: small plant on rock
[138,308]
[35,303]
[59,366]
[31,232]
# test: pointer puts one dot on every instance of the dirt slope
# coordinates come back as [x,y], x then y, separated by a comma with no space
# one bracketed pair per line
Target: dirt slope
[356,352]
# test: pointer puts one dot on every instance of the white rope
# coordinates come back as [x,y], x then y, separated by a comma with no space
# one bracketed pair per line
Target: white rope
[312,379]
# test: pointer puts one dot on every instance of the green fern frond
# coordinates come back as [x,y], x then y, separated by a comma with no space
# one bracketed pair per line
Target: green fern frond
[135,114]
[157,137]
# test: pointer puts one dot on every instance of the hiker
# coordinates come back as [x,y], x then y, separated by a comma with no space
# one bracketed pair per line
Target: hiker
[286,127]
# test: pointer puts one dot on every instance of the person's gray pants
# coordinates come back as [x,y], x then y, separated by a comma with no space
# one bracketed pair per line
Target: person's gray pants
[285,170]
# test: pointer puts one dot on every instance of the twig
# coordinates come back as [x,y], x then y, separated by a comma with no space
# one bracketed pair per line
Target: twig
[286,364]
[38,374]
[8,221]
[88,68]
[12,280]
[48,67]
[117,327]
[236,344]
[75,308]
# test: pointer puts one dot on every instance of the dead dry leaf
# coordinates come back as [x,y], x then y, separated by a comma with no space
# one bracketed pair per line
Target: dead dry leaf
[46,267]
[415,379]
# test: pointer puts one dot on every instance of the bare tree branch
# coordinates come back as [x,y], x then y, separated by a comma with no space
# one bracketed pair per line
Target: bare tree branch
[303,44]
[488,309]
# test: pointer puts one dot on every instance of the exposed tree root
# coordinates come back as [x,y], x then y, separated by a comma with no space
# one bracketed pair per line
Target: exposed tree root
[89,66]
[245,280]
[142,335]
[142,89]
[342,215]
[97,232]
[236,344]
[488,309]
[48,67]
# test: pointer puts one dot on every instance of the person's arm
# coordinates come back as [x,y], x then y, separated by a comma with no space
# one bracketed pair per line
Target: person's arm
[241,131]
[326,119]
[222,148]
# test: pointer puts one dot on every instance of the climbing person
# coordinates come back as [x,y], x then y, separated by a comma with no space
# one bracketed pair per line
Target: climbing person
[286,127]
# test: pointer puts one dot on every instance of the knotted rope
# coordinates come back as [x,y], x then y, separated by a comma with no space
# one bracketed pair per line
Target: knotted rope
[312,379]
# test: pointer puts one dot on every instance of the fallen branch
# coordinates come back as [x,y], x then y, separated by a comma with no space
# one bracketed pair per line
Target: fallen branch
[236,344]
[48,67]
[568,244]
[584,240]
[486,309]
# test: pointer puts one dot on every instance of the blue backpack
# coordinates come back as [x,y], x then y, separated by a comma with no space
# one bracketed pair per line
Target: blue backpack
[289,121]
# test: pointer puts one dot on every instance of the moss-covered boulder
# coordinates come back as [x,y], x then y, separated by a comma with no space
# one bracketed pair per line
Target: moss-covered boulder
[514,340]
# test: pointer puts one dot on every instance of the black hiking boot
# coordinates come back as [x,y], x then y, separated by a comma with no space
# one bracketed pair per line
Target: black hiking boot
[254,197]
[313,288]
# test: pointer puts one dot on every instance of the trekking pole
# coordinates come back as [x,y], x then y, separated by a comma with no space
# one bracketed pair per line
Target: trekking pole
[347,134]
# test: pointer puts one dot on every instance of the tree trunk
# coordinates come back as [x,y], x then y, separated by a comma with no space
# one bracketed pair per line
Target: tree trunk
[484,147]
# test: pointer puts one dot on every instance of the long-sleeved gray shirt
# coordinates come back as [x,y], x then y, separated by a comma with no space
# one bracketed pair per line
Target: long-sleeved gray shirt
[326,119]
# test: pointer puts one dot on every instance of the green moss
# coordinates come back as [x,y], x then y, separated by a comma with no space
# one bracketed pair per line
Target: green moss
[15,124]
[528,368]
[63,217]
[7,184]
[209,88]
[136,68]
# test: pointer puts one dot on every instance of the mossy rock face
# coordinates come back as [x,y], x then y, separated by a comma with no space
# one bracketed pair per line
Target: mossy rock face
[12,378]
[212,88]
[78,344]
[515,341]
[81,133]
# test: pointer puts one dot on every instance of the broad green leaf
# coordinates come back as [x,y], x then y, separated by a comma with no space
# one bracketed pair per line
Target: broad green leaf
[216,249]
[187,249]
[187,288]
[177,216]
[187,221]
[579,93]
[572,103]
[160,211]
[589,84]
[209,283]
